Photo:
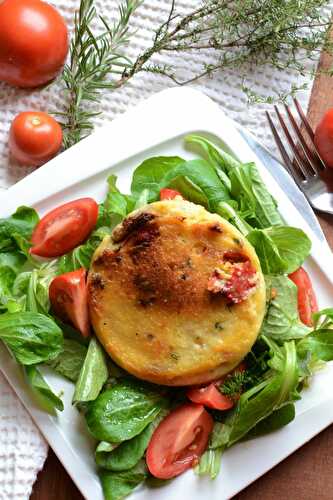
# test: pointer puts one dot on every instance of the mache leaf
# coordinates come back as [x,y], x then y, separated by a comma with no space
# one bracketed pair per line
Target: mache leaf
[43,391]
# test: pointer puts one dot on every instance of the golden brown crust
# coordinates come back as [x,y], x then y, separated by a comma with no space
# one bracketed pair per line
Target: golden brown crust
[149,301]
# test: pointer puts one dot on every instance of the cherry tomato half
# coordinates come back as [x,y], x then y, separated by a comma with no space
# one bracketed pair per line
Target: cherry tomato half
[169,194]
[210,397]
[65,227]
[306,297]
[323,138]
[34,138]
[179,441]
[33,42]
[69,299]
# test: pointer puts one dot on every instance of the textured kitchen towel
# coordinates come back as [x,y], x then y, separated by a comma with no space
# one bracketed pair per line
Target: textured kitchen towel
[22,449]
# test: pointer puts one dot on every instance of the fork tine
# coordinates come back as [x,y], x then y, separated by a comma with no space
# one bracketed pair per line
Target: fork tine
[310,132]
[309,158]
[304,118]
[286,159]
[297,157]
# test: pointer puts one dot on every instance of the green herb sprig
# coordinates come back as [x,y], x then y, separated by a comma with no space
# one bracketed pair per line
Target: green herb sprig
[242,34]
[92,59]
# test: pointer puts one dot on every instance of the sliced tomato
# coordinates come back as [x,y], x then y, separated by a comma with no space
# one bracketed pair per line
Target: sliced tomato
[179,441]
[65,227]
[306,297]
[69,299]
[210,397]
[169,194]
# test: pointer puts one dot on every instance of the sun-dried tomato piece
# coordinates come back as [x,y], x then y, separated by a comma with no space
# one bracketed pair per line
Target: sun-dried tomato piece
[236,284]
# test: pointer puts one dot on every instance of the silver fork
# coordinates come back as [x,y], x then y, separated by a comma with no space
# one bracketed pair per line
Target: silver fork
[305,166]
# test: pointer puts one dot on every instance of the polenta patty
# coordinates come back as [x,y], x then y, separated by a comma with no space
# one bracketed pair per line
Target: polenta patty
[176,294]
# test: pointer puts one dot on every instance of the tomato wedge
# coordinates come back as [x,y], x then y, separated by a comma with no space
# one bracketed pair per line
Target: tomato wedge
[65,227]
[69,299]
[306,297]
[210,397]
[179,441]
[169,194]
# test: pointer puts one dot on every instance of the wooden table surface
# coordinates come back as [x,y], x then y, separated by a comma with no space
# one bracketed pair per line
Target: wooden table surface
[308,473]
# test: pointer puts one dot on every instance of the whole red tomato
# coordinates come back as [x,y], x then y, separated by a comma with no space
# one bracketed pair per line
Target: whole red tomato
[33,42]
[324,138]
[34,138]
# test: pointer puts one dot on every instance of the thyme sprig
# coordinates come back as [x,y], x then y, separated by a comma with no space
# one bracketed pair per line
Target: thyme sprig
[242,34]
[92,59]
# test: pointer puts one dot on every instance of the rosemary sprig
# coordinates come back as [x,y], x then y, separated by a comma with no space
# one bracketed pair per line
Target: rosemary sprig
[92,59]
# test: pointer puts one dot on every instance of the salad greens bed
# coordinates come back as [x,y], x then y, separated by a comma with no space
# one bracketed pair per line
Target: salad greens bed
[122,412]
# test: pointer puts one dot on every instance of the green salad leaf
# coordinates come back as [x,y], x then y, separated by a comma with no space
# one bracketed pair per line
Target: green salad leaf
[114,208]
[70,360]
[318,345]
[189,190]
[93,374]
[281,249]
[149,174]
[282,322]
[275,421]
[123,411]
[43,391]
[21,223]
[128,453]
[118,485]
[7,278]
[244,182]
[31,337]
[81,256]
[274,392]
[13,259]
[202,175]
[34,287]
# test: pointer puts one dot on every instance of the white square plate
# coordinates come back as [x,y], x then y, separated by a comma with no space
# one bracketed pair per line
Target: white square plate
[157,127]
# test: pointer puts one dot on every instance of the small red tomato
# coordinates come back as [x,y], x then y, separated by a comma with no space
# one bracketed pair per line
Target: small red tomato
[179,441]
[34,138]
[210,397]
[69,299]
[323,138]
[65,227]
[169,194]
[33,42]
[306,297]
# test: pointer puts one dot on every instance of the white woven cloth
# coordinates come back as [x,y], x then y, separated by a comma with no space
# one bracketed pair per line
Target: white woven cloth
[22,449]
